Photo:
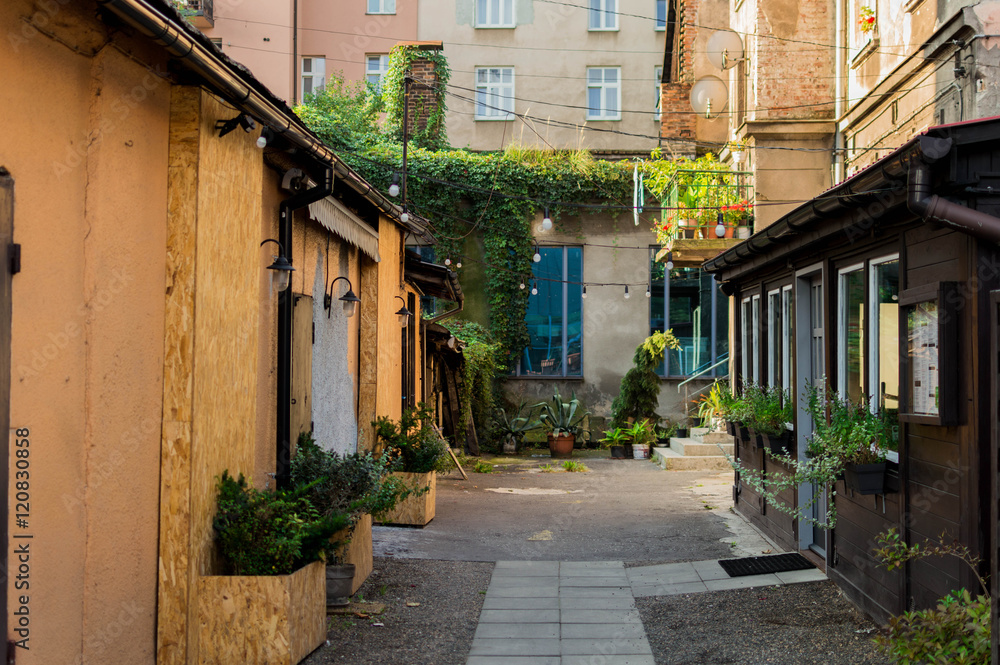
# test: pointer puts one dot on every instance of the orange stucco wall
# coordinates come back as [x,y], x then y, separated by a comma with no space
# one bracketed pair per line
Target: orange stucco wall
[87,147]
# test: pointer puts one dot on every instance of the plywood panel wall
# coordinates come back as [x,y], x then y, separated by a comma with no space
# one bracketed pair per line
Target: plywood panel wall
[390,396]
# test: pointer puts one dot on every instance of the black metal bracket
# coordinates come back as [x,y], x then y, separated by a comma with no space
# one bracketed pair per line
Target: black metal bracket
[14,257]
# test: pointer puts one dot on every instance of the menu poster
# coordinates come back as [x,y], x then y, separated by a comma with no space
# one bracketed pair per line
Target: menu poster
[923,345]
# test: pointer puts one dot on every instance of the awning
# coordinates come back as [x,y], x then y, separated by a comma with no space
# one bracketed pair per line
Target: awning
[337,219]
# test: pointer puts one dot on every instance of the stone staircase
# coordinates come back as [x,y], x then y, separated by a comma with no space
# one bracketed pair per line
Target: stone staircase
[701,451]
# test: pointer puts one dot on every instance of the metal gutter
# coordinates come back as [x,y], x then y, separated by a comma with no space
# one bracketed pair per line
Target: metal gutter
[185,44]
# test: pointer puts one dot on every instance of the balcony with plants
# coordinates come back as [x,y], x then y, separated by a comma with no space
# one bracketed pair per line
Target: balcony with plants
[707,208]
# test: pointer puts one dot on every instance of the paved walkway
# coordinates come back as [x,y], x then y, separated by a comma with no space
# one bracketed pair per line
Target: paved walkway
[583,612]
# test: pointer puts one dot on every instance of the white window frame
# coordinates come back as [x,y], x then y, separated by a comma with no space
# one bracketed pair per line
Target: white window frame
[317,70]
[496,94]
[656,19]
[658,75]
[381,7]
[383,67]
[745,339]
[842,328]
[504,7]
[602,15]
[755,306]
[873,339]
[605,88]
[774,337]
[786,339]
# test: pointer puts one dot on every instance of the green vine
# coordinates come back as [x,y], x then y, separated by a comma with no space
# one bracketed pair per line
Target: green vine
[480,369]
[433,135]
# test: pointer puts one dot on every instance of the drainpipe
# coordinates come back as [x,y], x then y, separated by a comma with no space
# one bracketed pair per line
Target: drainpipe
[928,206]
[285,305]
[839,154]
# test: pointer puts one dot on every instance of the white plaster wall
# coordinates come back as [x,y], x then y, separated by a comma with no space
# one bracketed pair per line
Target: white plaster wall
[334,424]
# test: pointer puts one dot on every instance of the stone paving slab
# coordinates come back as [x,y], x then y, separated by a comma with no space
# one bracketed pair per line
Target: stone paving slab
[602,631]
[514,660]
[744,582]
[515,647]
[503,591]
[505,603]
[518,616]
[597,603]
[517,630]
[608,660]
[599,616]
[648,590]
[595,592]
[616,646]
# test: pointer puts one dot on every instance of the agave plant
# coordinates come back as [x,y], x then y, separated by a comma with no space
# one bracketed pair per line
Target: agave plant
[561,418]
[513,426]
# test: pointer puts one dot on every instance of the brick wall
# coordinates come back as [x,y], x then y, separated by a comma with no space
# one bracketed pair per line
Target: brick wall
[422,94]
[677,120]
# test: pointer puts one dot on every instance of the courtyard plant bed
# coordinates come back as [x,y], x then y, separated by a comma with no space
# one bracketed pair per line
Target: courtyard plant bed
[271,608]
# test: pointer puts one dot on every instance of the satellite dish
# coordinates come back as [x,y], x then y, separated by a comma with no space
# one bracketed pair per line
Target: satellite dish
[725,49]
[709,95]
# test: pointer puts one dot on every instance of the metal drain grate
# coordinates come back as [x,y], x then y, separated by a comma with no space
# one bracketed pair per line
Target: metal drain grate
[760,565]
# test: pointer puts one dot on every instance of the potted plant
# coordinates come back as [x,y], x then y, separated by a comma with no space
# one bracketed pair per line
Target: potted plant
[417,453]
[639,393]
[640,435]
[665,432]
[768,411]
[355,486]
[270,604]
[562,421]
[616,440]
[512,427]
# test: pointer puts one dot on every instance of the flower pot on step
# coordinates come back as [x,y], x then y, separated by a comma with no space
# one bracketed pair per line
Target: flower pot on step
[617,452]
[640,451]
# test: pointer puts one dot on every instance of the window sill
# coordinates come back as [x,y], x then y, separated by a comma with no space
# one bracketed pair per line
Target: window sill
[866,52]
[663,29]
[495,27]
[380,13]
[618,119]
[511,118]
[602,30]
[551,377]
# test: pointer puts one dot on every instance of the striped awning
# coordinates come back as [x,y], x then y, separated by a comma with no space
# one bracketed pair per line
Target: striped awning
[340,221]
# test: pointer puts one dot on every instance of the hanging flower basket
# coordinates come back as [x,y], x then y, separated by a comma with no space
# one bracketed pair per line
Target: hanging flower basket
[866,20]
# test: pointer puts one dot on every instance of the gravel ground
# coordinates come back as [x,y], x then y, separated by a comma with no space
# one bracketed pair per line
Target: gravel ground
[437,632]
[797,624]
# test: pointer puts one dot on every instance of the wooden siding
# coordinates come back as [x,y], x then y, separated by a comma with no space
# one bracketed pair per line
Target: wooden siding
[776,525]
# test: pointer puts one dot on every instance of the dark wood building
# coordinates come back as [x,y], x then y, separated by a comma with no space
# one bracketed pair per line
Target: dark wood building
[839,288]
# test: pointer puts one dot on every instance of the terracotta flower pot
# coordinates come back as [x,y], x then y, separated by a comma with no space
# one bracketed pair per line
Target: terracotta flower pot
[561,446]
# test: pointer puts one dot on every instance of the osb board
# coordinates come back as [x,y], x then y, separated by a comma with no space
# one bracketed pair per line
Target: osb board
[178,343]
[368,312]
[262,620]
[302,351]
[359,550]
[390,381]
[211,344]
[415,510]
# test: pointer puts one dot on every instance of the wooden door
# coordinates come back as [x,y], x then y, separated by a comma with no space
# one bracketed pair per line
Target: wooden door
[300,419]
[995,465]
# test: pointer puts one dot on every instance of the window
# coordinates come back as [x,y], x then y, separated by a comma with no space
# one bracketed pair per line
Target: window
[661,15]
[750,346]
[779,338]
[603,14]
[850,332]
[788,318]
[494,13]
[657,79]
[216,41]
[603,93]
[688,302]
[375,68]
[313,74]
[381,6]
[884,335]
[555,315]
[494,93]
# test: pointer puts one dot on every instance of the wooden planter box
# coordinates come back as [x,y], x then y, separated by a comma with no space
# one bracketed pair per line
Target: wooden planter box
[270,620]
[415,510]
[359,550]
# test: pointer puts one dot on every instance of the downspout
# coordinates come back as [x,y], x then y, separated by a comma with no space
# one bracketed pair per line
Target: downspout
[839,154]
[928,206]
[285,306]
[295,52]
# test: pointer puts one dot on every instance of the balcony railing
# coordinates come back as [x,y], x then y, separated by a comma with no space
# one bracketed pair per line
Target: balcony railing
[201,13]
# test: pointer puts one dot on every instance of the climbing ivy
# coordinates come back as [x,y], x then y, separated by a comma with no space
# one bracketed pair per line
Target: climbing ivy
[433,136]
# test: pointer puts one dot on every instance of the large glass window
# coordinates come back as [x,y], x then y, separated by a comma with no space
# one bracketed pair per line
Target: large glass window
[688,301]
[774,338]
[787,323]
[750,339]
[494,13]
[850,333]
[603,14]
[494,93]
[555,315]
[313,74]
[603,93]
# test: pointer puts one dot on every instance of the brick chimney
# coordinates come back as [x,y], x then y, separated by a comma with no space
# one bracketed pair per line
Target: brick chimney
[676,119]
[422,96]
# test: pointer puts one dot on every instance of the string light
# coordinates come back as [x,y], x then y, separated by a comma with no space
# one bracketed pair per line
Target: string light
[458,265]
[648,294]
[627,294]
[534,288]
[538,256]
[447,261]
[720,228]
[546,221]
[670,261]
[584,294]
[404,217]
[394,187]
[522,285]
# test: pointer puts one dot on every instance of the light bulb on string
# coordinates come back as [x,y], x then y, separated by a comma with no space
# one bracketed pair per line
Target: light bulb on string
[394,187]
[458,264]
[720,228]
[447,261]
[627,294]
[538,255]
[546,221]
[584,294]
[534,288]
[670,261]
[404,217]
[648,294]
[522,286]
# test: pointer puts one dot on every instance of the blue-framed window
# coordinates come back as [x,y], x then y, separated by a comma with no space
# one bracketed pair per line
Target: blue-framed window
[555,315]
[689,302]
[661,15]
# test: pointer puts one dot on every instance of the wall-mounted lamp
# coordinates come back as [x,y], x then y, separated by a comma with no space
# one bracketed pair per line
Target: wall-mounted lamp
[725,49]
[266,136]
[282,275]
[403,313]
[546,221]
[349,299]
[242,120]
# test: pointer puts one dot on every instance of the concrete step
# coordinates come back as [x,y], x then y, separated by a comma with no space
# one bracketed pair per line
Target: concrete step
[693,447]
[718,437]
[670,460]
[698,432]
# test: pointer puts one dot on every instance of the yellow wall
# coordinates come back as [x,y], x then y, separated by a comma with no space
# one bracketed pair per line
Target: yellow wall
[389,400]
[90,206]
